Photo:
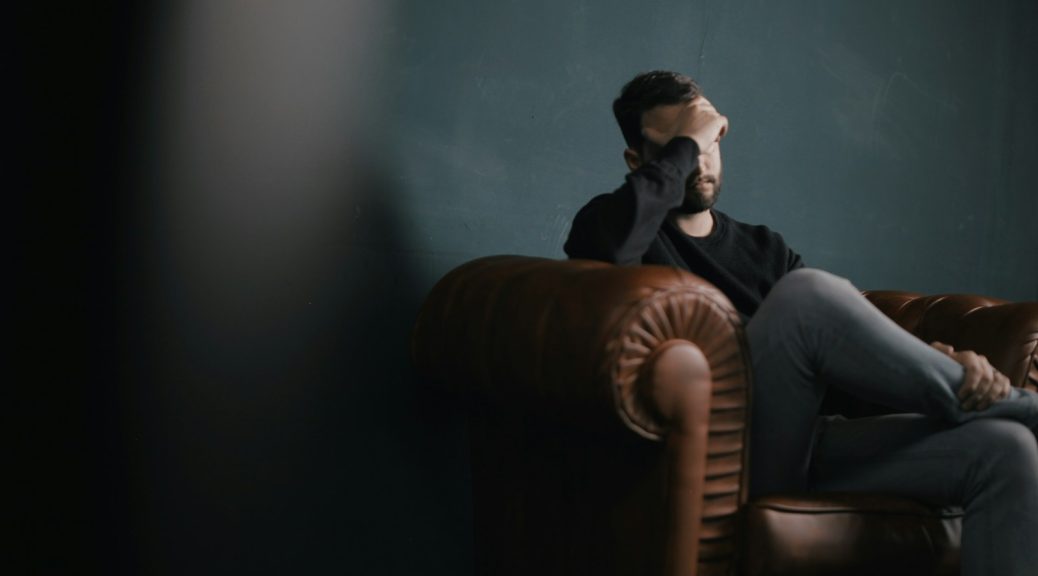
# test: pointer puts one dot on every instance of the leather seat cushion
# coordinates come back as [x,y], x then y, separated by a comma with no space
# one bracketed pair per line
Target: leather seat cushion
[847,534]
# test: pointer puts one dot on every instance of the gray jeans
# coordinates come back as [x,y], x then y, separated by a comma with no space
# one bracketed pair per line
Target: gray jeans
[816,330]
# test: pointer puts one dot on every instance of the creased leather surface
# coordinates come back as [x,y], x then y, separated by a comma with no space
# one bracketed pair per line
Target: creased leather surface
[849,534]
[1005,332]
[570,337]
[539,342]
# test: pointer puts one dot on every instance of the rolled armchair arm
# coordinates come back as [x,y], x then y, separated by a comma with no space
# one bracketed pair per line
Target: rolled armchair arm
[1005,332]
[649,349]
[578,338]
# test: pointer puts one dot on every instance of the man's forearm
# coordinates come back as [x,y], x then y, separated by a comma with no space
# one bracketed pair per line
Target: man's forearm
[619,227]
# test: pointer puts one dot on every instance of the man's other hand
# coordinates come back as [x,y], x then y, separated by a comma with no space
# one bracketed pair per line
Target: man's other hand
[703,123]
[697,119]
[982,384]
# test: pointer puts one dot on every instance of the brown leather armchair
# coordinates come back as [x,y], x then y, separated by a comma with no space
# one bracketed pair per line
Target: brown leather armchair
[608,412]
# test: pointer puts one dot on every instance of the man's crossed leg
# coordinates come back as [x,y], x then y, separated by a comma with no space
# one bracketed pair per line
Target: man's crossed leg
[816,330]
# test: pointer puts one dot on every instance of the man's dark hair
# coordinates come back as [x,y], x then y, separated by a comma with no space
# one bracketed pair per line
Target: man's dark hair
[645,92]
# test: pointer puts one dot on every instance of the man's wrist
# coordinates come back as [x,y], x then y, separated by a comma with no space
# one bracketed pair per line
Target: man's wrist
[682,152]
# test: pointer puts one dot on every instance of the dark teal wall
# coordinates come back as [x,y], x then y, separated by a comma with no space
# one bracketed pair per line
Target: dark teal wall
[889,141]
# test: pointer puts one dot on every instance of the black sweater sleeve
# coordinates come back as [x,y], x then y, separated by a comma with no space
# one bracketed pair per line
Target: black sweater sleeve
[793,260]
[618,227]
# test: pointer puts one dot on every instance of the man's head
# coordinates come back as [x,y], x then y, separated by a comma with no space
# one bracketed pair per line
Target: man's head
[655,103]
[645,92]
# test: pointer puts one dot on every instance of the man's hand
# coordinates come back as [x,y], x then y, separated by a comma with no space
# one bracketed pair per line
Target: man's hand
[697,119]
[982,384]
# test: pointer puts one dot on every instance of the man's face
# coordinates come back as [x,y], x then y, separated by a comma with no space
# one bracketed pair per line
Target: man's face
[704,185]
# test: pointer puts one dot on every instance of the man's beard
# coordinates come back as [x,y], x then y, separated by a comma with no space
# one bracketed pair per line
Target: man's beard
[697,200]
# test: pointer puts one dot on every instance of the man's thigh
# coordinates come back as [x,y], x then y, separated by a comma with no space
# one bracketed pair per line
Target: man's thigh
[910,455]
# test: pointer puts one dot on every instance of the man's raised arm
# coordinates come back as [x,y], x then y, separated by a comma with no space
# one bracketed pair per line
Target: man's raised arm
[618,227]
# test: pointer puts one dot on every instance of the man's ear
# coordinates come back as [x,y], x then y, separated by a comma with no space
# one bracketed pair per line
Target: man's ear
[633,159]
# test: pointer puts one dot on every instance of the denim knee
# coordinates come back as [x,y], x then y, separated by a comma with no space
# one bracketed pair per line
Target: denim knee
[804,290]
[810,284]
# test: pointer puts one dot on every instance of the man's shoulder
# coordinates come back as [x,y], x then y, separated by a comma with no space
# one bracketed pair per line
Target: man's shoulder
[595,202]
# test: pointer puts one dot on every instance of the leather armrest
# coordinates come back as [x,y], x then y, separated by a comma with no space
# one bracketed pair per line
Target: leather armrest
[1005,332]
[577,338]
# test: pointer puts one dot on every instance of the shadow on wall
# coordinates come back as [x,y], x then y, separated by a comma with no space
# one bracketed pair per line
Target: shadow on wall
[222,382]
[280,425]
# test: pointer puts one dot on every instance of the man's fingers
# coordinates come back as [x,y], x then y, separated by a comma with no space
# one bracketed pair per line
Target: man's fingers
[942,348]
[700,121]
[982,384]
[971,386]
[716,130]
[985,389]
[968,391]
[1000,389]
[1006,386]
[653,136]
[700,102]
[990,384]
[972,377]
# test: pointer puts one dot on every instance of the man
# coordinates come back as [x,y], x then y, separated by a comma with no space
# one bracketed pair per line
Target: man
[965,436]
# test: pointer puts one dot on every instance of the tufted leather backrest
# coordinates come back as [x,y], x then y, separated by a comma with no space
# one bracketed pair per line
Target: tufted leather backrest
[1005,332]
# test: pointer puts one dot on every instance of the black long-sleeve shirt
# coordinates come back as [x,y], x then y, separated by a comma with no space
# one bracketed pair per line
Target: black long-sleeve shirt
[630,226]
